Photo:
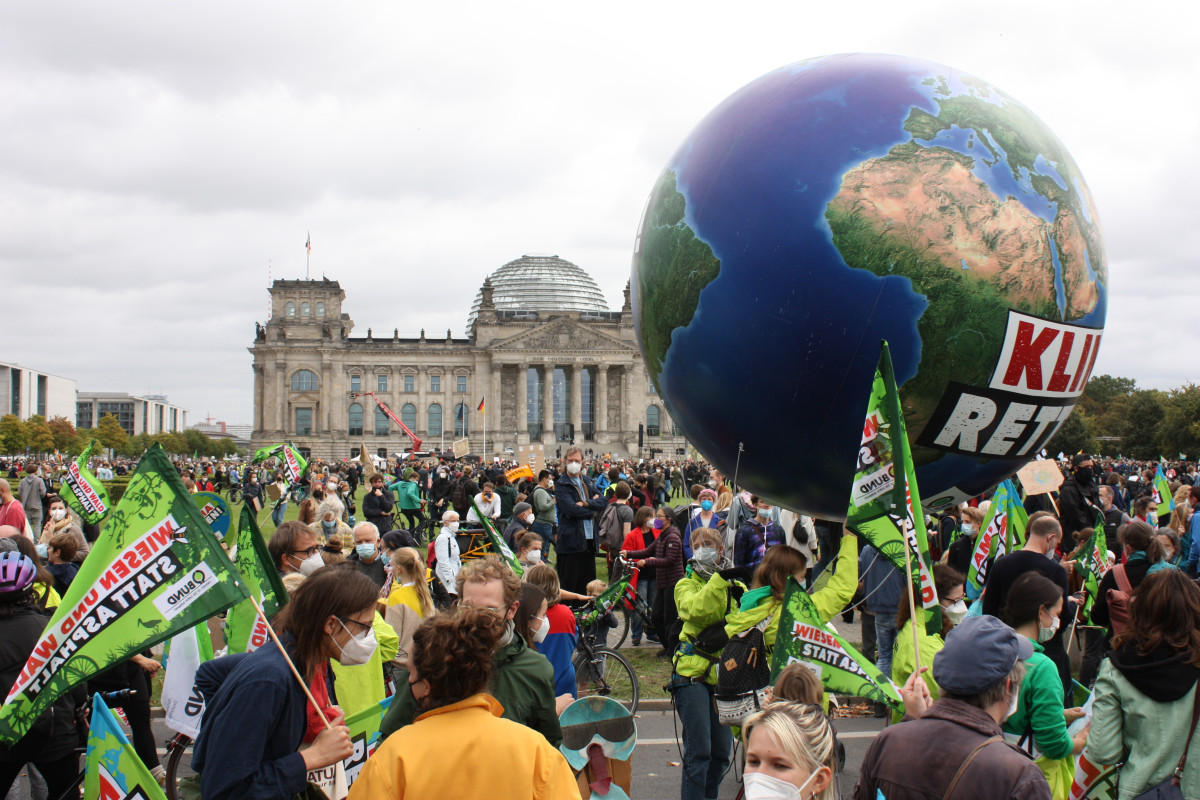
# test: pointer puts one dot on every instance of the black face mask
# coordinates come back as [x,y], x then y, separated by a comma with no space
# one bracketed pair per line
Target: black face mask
[1083,475]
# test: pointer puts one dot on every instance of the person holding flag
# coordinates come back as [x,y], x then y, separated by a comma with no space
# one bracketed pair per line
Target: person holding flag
[263,707]
[951,593]
[50,742]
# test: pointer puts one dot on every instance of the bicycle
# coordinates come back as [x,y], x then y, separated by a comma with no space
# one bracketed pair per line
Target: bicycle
[622,599]
[234,493]
[602,671]
[179,746]
[83,725]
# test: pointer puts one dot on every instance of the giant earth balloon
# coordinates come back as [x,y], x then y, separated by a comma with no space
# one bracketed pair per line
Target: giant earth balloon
[844,200]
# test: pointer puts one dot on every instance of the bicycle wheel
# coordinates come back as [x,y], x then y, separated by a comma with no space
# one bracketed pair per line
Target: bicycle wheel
[606,673]
[177,769]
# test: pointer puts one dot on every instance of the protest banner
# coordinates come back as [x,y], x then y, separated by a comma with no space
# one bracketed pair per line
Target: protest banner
[215,511]
[1003,531]
[84,492]
[1093,781]
[884,492]
[156,570]
[294,464]
[803,638]
[364,736]
[246,630]
[112,769]
[461,447]
[1040,477]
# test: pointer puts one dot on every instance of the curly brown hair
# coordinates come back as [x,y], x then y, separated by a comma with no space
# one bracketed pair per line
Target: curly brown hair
[1164,609]
[453,654]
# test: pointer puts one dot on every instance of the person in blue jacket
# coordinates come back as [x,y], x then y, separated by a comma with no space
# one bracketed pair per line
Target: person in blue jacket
[257,717]
[579,506]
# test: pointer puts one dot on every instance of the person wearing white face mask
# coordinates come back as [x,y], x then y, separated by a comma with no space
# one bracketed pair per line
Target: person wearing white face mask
[950,586]
[366,556]
[61,521]
[1033,608]
[293,547]
[258,719]
[756,536]
[791,753]
[522,521]
[961,549]
[956,748]
[446,550]
[529,549]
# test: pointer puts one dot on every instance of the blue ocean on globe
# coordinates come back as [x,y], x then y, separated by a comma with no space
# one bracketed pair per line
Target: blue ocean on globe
[845,200]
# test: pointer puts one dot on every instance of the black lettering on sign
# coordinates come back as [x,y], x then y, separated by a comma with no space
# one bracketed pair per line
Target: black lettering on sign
[992,423]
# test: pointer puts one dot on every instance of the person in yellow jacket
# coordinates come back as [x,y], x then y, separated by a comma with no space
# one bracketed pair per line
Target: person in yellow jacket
[459,746]
[408,599]
[765,598]
[950,585]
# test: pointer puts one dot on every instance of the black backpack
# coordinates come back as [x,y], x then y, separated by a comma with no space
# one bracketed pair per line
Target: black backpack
[612,532]
[743,675]
[458,495]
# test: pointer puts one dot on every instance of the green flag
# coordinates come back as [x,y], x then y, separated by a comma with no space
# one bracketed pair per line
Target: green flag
[1161,495]
[497,541]
[1003,531]
[1092,563]
[87,495]
[246,629]
[294,464]
[884,493]
[113,770]
[803,638]
[156,570]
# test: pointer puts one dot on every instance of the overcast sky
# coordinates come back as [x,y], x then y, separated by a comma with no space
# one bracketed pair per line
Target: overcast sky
[155,158]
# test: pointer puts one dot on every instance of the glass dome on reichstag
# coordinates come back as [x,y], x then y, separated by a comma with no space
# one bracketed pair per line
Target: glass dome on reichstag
[540,282]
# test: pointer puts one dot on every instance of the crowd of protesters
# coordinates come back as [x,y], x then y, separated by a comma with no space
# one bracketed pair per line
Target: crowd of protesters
[384,600]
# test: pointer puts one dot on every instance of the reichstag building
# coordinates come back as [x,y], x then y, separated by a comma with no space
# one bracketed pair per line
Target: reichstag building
[543,350]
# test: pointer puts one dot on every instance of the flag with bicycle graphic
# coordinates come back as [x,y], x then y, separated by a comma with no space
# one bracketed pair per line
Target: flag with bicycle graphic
[156,570]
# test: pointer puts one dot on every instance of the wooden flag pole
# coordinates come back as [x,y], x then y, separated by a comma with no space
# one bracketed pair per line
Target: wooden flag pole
[275,638]
[912,601]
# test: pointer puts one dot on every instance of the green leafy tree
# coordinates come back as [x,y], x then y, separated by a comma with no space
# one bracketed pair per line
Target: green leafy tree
[38,435]
[65,438]
[197,442]
[12,434]
[1074,436]
[1144,413]
[1179,430]
[1102,391]
[224,447]
[110,433]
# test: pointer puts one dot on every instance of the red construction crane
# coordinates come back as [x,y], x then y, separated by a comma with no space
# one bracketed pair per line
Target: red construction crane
[416,442]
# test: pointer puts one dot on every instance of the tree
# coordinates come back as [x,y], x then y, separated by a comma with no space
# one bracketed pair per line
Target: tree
[224,447]
[65,438]
[110,434]
[12,434]
[197,442]
[38,436]
[1144,412]
[1102,390]
[1179,431]
[1073,437]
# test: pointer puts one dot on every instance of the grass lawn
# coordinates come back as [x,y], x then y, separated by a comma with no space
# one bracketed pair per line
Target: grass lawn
[653,673]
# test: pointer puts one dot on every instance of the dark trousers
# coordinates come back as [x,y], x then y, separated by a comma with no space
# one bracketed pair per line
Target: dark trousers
[137,711]
[868,636]
[666,618]
[1094,646]
[413,515]
[59,774]
[576,571]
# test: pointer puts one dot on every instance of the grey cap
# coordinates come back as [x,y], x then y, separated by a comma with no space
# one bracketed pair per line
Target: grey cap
[979,653]
[521,508]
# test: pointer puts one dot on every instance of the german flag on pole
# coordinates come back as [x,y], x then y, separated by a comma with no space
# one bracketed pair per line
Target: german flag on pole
[481,403]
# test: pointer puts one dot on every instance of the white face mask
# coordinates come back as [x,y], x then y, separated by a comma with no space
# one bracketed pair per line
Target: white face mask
[1046,634]
[574,467]
[1012,704]
[760,786]
[539,635]
[968,528]
[957,612]
[311,564]
[58,514]
[356,650]
[452,526]
[534,556]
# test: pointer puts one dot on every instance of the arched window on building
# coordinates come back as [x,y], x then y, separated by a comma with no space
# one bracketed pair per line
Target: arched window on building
[290,309]
[305,310]
[354,428]
[652,421]
[435,420]
[304,380]
[460,420]
[381,422]
[320,309]
[408,415]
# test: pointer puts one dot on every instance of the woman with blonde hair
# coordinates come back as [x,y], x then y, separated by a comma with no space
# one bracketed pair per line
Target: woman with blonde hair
[790,752]
[409,601]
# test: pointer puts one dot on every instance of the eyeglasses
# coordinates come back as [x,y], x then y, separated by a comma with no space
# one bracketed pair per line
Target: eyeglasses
[309,552]
[362,625]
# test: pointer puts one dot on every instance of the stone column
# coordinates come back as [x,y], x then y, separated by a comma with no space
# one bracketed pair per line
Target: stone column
[628,425]
[600,410]
[323,415]
[577,400]
[548,400]
[522,402]
[494,409]
[281,395]
[259,399]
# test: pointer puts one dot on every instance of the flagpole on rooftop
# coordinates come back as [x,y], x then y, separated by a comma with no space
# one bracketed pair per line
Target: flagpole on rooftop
[308,258]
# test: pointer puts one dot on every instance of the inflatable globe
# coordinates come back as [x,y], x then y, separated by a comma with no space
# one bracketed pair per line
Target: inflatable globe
[846,200]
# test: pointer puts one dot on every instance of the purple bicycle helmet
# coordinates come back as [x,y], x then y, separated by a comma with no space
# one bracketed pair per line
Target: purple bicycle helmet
[17,572]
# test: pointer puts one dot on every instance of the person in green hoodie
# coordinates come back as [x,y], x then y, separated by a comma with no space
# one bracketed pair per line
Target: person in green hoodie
[409,496]
[1032,610]
[1146,690]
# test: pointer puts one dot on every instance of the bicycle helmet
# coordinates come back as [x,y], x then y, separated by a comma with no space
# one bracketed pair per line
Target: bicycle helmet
[17,572]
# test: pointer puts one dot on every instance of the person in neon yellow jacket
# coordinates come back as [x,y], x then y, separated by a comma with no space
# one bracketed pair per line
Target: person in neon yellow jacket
[950,585]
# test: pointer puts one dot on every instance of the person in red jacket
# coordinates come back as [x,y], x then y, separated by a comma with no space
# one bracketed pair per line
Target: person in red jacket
[665,555]
[640,536]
